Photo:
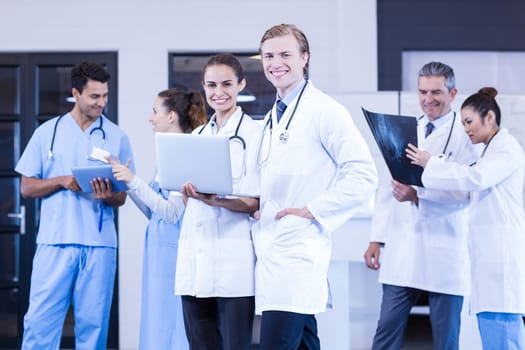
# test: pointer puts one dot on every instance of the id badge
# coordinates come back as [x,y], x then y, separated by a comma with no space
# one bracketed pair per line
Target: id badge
[99,154]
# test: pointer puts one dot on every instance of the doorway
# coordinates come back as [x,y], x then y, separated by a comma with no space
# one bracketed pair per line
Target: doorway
[34,87]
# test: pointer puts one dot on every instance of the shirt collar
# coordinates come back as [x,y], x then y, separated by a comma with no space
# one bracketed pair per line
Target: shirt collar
[293,94]
[232,120]
[441,120]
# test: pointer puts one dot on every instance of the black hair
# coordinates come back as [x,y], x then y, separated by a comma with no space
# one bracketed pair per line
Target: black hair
[84,71]
[484,101]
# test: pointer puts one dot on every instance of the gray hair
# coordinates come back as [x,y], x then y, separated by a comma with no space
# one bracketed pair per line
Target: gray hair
[438,69]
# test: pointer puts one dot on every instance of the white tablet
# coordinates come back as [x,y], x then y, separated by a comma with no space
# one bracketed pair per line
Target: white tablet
[84,175]
[203,160]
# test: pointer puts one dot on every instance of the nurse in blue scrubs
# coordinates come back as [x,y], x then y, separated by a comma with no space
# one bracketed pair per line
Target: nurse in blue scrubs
[162,324]
[76,254]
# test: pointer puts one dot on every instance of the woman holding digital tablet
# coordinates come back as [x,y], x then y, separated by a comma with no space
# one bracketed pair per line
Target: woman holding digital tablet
[161,327]
[215,265]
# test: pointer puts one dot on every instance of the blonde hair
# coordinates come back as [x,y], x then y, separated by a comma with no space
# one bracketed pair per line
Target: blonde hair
[287,29]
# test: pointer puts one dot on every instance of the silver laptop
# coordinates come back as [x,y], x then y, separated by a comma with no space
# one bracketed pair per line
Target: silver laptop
[203,160]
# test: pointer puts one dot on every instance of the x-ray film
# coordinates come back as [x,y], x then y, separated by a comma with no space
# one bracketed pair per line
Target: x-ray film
[392,134]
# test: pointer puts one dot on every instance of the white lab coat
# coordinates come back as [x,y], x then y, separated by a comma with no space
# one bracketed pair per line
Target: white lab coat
[497,221]
[426,246]
[326,166]
[216,256]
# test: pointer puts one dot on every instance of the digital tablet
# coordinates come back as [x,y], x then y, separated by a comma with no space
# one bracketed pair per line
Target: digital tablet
[84,175]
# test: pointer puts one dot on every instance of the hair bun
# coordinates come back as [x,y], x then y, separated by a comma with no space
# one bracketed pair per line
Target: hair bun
[488,91]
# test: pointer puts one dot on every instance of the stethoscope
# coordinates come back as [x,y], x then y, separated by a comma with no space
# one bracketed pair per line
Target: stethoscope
[236,138]
[485,148]
[50,154]
[449,133]
[284,136]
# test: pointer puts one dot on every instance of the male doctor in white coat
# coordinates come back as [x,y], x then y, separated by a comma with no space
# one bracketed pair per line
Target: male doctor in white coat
[424,232]
[316,173]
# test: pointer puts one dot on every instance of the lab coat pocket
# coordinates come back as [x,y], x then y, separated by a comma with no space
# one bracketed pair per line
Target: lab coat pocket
[267,220]
[295,222]
[262,229]
[185,268]
[293,230]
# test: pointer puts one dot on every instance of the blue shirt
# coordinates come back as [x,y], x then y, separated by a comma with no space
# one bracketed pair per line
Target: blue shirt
[292,94]
[68,217]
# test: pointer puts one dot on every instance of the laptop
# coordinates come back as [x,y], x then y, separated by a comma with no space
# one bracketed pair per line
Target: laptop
[203,160]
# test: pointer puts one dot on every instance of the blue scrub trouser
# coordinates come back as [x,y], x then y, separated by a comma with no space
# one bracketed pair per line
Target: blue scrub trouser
[161,319]
[281,330]
[501,331]
[219,323]
[65,274]
[445,317]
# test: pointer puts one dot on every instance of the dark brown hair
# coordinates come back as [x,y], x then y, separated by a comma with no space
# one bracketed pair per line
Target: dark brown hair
[189,106]
[226,59]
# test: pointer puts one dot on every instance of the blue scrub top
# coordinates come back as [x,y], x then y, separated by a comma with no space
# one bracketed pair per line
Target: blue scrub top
[68,217]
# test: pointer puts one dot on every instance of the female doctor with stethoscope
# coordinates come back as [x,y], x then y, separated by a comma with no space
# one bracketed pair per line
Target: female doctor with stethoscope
[497,220]
[215,265]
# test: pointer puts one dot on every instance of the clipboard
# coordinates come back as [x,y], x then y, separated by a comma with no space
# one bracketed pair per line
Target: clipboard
[392,134]
[84,175]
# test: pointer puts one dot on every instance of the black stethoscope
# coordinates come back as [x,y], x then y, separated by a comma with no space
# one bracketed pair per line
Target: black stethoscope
[486,146]
[235,136]
[50,154]
[449,133]
[283,137]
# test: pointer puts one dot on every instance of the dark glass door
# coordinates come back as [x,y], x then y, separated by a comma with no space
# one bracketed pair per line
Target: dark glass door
[34,87]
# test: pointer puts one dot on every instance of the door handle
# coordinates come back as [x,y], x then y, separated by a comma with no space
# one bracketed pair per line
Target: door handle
[22,217]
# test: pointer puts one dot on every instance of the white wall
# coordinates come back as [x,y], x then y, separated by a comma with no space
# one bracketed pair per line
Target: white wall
[473,69]
[342,35]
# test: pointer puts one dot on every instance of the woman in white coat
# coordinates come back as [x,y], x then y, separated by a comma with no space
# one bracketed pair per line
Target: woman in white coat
[215,266]
[497,219]
[161,322]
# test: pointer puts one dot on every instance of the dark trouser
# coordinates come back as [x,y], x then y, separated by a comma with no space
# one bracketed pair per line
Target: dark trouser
[218,323]
[445,317]
[281,330]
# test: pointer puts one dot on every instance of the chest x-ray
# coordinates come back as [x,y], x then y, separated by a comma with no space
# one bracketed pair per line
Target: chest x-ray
[392,134]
